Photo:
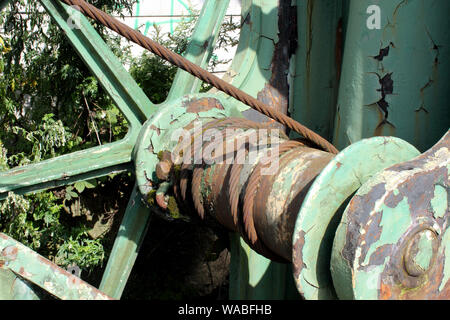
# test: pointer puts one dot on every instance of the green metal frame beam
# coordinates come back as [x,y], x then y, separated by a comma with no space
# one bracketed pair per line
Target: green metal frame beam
[137,216]
[119,84]
[34,268]
[200,48]
[126,246]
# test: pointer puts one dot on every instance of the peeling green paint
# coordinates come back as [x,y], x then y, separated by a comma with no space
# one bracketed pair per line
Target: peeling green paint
[446,241]
[425,251]
[415,31]
[439,203]
[398,217]
[388,232]
[43,273]
[319,215]
[369,280]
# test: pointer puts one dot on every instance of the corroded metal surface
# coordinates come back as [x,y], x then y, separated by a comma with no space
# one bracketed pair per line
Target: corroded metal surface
[320,212]
[29,265]
[156,135]
[394,239]
[394,78]
[393,242]
[264,204]
[13,287]
[280,196]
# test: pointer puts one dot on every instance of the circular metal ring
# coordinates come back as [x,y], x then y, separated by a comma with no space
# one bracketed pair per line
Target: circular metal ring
[321,210]
[394,238]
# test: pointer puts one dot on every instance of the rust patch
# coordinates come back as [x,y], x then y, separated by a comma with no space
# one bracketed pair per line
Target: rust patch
[393,200]
[373,231]
[154,128]
[15,172]
[427,289]
[10,252]
[276,92]
[385,291]
[270,96]
[356,221]
[203,105]
[378,257]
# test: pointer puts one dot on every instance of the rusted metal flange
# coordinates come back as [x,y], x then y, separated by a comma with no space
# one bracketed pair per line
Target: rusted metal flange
[322,208]
[394,238]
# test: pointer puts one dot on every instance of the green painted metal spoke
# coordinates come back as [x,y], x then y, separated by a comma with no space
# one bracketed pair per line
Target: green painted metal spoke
[34,268]
[119,84]
[123,90]
[200,48]
[67,169]
[126,246]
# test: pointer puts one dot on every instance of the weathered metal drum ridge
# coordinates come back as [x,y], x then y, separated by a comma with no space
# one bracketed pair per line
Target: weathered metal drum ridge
[394,239]
[250,190]
[241,182]
[279,197]
[210,180]
[321,211]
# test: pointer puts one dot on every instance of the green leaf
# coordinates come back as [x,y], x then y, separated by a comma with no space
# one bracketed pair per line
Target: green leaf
[80,186]
[91,184]
[70,193]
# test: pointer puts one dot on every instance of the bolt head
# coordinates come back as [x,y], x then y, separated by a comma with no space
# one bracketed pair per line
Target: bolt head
[420,253]
[163,169]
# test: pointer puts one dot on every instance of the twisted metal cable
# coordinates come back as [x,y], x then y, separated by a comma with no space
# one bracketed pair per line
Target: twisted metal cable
[136,37]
